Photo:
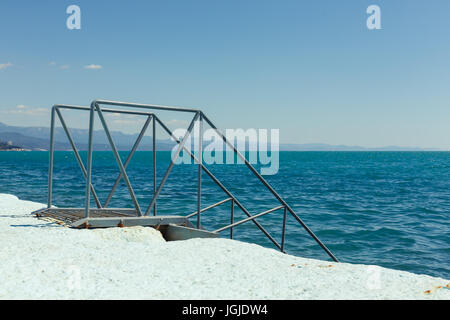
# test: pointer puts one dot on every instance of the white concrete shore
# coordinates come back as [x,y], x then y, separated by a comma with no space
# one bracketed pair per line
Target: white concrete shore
[42,260]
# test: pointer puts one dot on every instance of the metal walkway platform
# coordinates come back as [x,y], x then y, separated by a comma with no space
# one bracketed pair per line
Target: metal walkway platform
[171,227]
[69,216]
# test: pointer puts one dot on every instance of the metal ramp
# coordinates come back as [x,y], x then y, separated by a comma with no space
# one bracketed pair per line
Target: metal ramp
[172,227]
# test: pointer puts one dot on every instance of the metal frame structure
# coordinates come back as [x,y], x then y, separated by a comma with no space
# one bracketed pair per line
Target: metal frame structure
[96,107]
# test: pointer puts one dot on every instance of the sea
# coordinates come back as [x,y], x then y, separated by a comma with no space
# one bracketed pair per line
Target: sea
[390,209]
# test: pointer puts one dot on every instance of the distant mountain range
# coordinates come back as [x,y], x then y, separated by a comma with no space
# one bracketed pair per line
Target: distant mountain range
[328,147]
[37,138]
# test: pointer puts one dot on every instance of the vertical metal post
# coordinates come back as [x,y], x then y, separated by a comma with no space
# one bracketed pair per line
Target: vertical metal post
[89,160]
[77,155]
[200,162]
[172,163]
[119,161]
[283,232]
[232,218]
[50,159]
[154,163]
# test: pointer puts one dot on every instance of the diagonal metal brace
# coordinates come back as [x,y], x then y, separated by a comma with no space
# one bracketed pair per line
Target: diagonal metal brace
[172,163]
[118,160]
[127,162]
[213,177]
[77,155]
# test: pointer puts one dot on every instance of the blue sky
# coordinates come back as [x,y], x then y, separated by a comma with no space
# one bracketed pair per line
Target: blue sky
[310,68]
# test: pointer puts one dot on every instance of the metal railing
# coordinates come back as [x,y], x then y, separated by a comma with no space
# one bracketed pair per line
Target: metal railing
[96,107]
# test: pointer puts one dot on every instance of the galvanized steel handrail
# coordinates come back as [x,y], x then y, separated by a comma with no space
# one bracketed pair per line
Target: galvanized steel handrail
[224,189]
[209,207]
[198,116]
[56,110]
[268,186]
[144,106]
[248,219]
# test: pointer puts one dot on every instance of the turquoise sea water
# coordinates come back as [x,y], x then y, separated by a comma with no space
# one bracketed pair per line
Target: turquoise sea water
[386,208]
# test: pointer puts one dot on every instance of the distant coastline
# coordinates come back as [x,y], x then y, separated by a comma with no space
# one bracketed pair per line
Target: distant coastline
[8,146]
[17,138]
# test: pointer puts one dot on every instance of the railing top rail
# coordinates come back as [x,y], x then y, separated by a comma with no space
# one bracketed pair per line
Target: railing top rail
[209,207]
[144,106]
[73,107]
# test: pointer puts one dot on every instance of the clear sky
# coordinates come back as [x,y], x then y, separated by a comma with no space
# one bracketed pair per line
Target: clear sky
[310,68]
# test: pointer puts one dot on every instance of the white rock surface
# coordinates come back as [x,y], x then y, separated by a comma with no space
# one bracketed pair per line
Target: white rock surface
[42,260]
